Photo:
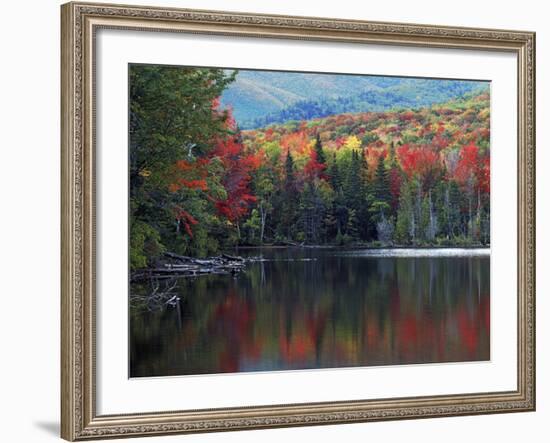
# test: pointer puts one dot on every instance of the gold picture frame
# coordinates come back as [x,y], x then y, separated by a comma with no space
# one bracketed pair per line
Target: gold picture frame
[79,22]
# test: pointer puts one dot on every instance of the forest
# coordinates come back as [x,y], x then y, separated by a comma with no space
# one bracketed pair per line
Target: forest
[415,177]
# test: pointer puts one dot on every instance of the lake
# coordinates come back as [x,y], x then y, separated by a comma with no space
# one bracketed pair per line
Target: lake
[318,308]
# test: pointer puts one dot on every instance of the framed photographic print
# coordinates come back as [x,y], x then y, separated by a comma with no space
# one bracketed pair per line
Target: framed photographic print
[281,221]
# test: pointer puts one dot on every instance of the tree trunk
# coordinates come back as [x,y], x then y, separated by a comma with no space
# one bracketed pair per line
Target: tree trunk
[263,218]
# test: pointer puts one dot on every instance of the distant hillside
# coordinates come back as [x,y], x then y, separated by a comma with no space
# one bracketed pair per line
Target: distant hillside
[260,98]
[443,128]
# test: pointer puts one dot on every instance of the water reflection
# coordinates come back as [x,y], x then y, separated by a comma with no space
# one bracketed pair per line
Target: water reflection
[330,311]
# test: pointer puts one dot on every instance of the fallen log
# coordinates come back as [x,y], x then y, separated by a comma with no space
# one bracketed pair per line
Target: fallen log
[183,258]
[184,266]
[233,257]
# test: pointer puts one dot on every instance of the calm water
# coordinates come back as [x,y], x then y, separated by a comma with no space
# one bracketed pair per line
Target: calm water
[317,309]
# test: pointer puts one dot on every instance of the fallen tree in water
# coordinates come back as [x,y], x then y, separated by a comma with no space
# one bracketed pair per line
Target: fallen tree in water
[174,265]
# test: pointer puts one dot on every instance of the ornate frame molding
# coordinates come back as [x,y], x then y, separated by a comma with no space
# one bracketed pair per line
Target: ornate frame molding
[79,420]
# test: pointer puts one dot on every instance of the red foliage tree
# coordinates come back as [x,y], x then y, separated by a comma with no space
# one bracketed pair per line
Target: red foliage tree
[396,179]
[186,219]
[190,174]
[471,165]
[236,178]
[313,168]
[419,161]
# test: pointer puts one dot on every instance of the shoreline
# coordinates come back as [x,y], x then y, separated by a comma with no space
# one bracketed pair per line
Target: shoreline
[361,247]
[185,266]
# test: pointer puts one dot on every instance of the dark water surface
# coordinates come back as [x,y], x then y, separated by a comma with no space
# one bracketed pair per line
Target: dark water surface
[317,308]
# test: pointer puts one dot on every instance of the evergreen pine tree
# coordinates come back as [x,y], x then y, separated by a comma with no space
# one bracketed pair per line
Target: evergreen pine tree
[289,206]
[334,174]
[352,227]
[289,171]
[365,226]
[352,184]
[404,227]
[380,205]
[319,150]
[340,210]
[311,212]
[382,183]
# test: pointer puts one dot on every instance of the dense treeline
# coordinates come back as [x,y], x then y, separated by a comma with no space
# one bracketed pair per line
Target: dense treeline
[198,184]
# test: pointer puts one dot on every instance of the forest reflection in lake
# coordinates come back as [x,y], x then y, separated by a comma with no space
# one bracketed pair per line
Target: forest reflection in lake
[317,308]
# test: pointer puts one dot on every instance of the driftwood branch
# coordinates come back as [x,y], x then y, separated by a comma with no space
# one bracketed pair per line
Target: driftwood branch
[161,294]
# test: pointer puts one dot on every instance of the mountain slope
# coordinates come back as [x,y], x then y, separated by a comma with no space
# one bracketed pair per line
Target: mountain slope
[442,128]
[260,98]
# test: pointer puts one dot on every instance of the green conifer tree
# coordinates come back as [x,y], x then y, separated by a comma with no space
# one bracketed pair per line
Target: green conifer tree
[380,206]
[289,199]
[319,150]
[404,230]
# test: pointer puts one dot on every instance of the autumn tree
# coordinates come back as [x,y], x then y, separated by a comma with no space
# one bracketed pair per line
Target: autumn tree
[172,118]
